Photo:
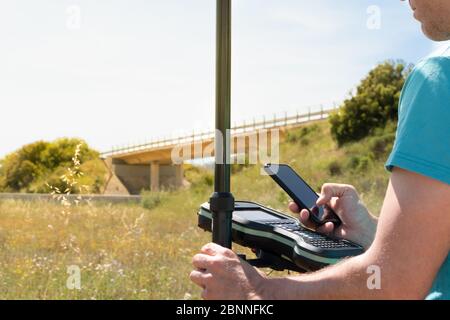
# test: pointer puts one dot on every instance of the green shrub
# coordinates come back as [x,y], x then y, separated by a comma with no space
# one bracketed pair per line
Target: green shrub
[93,179]
[30,168]
[335,168]
[151,199]
[360,163]
[382,141]
[207,179]
[62,150]
[353,162]
[364,163]
[294,136]
[381,145]
[198,177]
[373,106]
[304,142]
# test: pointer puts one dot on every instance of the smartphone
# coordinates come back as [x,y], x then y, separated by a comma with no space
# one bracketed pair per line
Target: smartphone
[302,194]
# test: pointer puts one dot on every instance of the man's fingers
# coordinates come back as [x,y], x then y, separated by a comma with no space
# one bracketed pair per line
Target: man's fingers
[334,202]
[201,261]
[213,249]
[294,207]
[327,228]
[304,216]
[200,278]
[331,190]
[209,249]
[304,219]
[205,295]
[328,192]
[340,233]
[195,277]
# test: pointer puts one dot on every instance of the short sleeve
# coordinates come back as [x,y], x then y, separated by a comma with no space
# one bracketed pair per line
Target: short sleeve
[422,142]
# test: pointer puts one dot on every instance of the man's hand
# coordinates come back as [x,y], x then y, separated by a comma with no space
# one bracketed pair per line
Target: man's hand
[358,225]
[223,276]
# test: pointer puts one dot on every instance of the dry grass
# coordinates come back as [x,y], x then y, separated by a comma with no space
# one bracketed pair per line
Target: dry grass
[124,252]
[128,252]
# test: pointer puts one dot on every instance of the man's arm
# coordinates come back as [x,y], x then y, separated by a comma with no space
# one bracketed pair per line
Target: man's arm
[411,243]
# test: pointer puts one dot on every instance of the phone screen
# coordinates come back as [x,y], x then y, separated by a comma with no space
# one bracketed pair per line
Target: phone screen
[301,192]
[297,186]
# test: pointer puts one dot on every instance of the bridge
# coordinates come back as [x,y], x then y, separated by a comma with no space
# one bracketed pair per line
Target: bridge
[150,166]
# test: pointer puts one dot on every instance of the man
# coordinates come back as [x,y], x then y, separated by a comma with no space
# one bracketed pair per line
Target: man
[410,242]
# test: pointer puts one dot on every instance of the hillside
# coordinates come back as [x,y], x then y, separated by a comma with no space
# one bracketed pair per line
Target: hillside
[130,252]
[313,154]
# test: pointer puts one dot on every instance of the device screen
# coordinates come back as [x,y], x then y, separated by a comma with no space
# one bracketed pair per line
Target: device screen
[297,186]
[301,192]
[256,215]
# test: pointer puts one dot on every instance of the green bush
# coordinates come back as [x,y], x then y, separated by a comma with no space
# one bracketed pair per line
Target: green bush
[61,151]
[304,142]
[360,163]
[93,179]
[353,162]
[382,141]
[364,163]
[208,179]
[300,135]
[381,145]
[198,177]
[334,168]
[373,106]
[150,199]
[30,168]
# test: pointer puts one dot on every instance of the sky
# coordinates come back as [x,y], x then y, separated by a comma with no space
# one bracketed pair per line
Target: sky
[118,72]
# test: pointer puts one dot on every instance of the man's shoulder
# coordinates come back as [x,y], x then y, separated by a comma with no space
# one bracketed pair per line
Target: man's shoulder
[435,65]
[426,93]
[431,74]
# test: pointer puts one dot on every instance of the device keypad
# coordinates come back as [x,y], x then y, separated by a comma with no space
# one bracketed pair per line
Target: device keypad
[310,237]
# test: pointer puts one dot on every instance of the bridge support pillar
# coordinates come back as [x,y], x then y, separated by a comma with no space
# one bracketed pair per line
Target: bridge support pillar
[179,176]
[154,176]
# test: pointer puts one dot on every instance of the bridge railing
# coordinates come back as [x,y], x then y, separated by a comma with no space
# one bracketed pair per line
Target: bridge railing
[247,126]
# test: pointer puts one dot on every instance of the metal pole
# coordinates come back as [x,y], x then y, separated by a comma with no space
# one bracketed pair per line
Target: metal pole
[222,201]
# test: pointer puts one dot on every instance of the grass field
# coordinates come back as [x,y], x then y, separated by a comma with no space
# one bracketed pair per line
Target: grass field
[144,252]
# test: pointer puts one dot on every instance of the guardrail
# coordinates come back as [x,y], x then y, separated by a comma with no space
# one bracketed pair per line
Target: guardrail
[275,122]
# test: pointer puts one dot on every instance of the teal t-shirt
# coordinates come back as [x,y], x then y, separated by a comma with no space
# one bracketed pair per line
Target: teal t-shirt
[422,143]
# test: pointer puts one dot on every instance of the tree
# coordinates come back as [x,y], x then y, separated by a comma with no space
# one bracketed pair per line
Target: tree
[373,105]
[30,168]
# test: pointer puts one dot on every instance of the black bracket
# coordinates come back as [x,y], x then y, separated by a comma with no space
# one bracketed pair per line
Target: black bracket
[222,207]
[269,260]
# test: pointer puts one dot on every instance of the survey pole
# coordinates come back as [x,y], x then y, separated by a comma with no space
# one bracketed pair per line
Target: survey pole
[222,201]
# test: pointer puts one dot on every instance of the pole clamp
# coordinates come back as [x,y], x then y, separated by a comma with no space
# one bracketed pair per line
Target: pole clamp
[221,201]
